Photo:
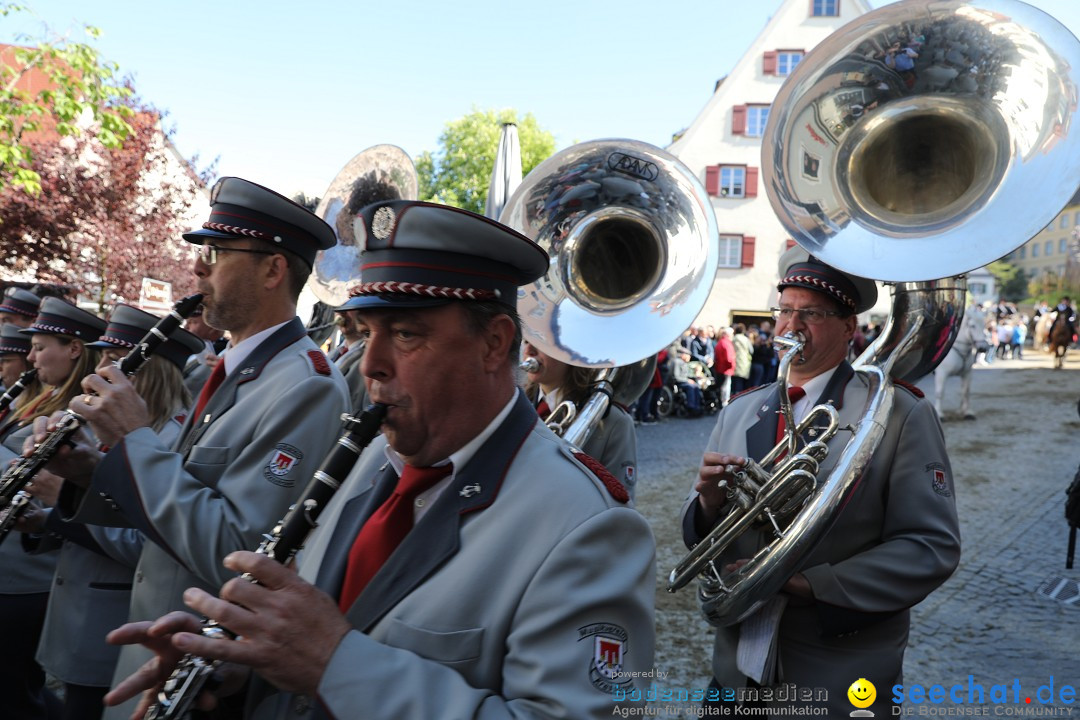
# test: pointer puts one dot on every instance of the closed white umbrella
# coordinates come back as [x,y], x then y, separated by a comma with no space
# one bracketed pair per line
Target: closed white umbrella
[506,175]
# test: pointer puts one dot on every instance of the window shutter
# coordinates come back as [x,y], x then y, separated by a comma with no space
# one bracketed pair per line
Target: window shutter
[712,179]
[751,182]
[768,64]
[738,120]
[789,244]
[748,251]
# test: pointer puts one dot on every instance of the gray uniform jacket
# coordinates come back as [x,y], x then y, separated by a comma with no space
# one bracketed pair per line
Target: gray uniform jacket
[896,539]
[526,590]
[91,593]
[231,476]
[22,574]
[614,443]
[349,364]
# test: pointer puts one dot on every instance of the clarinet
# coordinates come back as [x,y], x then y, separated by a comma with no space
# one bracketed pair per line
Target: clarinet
[13,498]
[16,389]
[193,673]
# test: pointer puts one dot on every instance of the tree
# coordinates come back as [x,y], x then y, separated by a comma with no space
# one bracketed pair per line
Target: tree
[460,173]
[107,216]
[73,88]
[1011,280]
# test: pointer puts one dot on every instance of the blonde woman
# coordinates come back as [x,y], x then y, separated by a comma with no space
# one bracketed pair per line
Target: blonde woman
[59,350]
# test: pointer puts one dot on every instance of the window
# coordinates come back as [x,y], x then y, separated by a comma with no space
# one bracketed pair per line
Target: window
[1063,245]
[1048,249]
[1064,221]
[731,181]
[1076,218]
[780,62]
[977,288]
[1034,250]
[749,120]
[730,251]
[786,60]
[736,251]
[823,8]
[756,117]
[1022,253]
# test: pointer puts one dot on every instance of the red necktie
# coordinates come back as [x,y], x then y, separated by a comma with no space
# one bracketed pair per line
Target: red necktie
[212,384]
[543,410]
[795,394]
[385,530]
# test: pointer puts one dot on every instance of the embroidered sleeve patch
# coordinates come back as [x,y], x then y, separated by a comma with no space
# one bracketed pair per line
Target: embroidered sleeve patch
[614,487]
[939,479]
[608,647]
[319,362]
[283,460]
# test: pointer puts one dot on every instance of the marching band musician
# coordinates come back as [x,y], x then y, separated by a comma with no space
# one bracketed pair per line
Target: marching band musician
[261,423]
[502,574]
[348,355]
[19,307]
[844,615]
[59,337]
[14,361]
[613,441]
[91,590]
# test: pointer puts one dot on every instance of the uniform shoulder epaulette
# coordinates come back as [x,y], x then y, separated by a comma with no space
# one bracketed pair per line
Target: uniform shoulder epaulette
[614,487]
[747,391]
[911,388]
[319,362]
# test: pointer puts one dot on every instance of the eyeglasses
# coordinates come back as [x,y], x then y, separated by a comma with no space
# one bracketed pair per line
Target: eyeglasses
[208,253]
[810,316]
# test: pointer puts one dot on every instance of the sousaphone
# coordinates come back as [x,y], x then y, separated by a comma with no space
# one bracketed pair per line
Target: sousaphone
[908,177]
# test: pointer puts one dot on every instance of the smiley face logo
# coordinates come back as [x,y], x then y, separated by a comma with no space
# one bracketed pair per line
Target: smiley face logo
[862,693]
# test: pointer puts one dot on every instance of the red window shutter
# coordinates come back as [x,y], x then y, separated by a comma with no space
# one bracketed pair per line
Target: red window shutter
[751,182]
[768,64]
[789,244]
[738,120]
[712,179]
[748,251]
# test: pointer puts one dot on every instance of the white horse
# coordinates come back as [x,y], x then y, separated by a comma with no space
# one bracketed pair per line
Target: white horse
[960,361]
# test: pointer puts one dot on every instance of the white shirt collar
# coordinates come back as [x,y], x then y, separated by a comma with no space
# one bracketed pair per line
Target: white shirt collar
[813,387]
[459,458]
[234,355]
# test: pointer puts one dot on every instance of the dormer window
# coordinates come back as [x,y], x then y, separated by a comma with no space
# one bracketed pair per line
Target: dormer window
[824,8]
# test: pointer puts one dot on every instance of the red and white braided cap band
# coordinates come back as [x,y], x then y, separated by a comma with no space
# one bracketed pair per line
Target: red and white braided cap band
[433,291]
[828,287]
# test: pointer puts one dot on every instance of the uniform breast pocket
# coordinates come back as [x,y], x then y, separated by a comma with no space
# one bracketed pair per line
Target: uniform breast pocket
[448,648]
[206,463]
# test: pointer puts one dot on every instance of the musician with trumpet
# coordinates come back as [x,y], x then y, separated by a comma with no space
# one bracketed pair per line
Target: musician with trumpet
[260,423]
[472,563]
[844,614]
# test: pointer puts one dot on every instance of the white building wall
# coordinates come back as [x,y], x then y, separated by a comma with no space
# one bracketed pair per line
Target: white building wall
[709,141]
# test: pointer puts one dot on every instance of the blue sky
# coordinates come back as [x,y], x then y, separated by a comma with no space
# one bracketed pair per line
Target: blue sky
[284,93]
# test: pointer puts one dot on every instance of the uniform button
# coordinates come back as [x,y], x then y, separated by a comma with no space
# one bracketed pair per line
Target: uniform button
[301,704]
[59,581]
[419,502]
[138,576]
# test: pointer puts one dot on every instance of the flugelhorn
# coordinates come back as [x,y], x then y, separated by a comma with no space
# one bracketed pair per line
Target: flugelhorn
[633,245]
[908,178]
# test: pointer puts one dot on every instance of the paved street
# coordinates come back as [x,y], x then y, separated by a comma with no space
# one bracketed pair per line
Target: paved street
[989,620]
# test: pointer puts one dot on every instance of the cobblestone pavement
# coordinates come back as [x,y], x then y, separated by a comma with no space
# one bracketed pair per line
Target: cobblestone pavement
[989,621]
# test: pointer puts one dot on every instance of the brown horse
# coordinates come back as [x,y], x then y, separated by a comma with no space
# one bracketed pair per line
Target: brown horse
[1061,336]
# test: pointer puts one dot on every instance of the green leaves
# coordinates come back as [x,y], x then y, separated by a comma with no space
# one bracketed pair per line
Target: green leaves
[56,86]
[460,173]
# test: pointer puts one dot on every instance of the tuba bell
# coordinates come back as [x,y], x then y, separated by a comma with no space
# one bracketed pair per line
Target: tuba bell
[382,172]
[633,245]
[912,178]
